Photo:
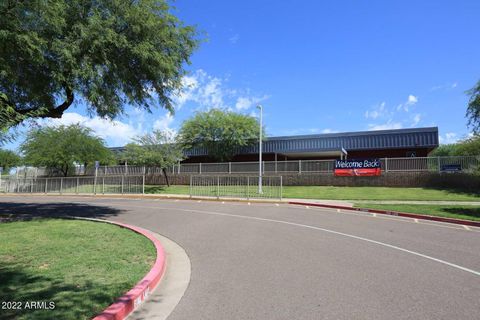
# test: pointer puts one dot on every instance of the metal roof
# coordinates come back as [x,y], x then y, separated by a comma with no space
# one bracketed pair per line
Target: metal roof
[361,140]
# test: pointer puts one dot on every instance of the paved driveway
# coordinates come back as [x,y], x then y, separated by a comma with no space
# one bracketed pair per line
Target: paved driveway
[269,261]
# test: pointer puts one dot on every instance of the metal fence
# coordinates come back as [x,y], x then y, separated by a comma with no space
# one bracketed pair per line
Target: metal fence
[75,185]
[235,186]
[418,164]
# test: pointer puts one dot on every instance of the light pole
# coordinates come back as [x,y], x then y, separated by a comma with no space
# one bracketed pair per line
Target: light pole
[260,152]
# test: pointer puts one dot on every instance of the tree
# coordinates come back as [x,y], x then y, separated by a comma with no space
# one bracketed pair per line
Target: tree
[107,53]
[445,150]
[220,132]
[9,159]
[473,110]
[61,147]
[469,147]
[157,149]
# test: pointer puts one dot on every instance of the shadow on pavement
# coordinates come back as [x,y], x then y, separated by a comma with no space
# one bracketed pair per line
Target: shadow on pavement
[18,211]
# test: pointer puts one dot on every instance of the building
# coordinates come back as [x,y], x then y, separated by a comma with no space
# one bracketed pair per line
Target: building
[413,142]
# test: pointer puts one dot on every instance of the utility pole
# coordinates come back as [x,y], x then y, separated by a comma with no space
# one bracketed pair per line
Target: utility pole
[260,191]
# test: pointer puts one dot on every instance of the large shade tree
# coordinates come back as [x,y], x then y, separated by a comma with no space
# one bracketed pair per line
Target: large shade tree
[220,132]
[106,53]
[9,159]
[61,147]
[158,149]
[473,110]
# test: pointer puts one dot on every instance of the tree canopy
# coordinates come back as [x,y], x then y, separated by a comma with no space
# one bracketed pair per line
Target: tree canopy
[61,147]
[107,53]
[221,132]
[158,149]
[473,110]
[153,149]
[467,147]
[9,159]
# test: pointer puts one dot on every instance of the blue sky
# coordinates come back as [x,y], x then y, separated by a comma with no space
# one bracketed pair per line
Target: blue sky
[322,66]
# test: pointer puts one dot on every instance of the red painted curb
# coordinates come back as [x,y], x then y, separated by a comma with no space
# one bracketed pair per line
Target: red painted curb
[392,213]
[127,303]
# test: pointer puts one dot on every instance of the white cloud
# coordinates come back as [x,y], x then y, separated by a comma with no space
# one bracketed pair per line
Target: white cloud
[207,92]
[377,111]
[115,132]
[446,86]
[163,124]
[329,131]
[416,119]
[244,103]
[411,101]
[449,137]
[234,39]
[385,126]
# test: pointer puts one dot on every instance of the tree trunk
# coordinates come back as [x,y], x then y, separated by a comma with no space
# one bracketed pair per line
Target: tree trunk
[166,176]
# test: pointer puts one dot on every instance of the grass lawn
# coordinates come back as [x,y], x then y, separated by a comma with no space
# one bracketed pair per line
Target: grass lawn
[449,211]
[350,193]
[81,266]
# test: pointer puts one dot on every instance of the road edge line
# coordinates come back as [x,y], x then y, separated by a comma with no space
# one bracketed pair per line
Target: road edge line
[391,213]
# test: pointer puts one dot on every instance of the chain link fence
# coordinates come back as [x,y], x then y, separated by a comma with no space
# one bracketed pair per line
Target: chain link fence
[236,186]
[75,185]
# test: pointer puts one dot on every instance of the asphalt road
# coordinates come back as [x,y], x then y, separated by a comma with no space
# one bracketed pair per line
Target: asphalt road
[268,261]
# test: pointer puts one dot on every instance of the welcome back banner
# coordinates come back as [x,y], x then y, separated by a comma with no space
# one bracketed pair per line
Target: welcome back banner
[358,167]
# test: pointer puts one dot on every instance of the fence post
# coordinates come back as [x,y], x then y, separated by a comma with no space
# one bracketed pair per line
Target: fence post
[438,163]
[191,180]
[200,168]
[179,165]
[143,184]
[31,187]
[46,185]
[61,185]
[230,168]
[248,187]
[300,166]
[122,184]
[386,164]
[103,185]
[218,187]
[281,187]
[76,187]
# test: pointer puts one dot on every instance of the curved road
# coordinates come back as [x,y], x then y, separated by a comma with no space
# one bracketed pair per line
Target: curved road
[269,261]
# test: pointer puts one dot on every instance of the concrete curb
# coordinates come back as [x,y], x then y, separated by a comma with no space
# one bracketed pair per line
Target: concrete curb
[392,213]
[130,301]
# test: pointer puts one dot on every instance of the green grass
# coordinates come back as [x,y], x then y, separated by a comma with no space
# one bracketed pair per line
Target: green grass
[449,211]
[81,266]
[350,193]
[377,193]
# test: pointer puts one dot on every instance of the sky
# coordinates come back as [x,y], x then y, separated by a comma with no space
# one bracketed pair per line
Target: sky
[320,67]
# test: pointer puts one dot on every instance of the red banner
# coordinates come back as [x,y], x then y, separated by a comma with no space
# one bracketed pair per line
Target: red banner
[364,168]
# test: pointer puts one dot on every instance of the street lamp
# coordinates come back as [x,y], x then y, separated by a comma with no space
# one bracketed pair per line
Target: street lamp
[260,152]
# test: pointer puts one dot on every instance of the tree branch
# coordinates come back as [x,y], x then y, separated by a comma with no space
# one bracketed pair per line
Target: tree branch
[55,112]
